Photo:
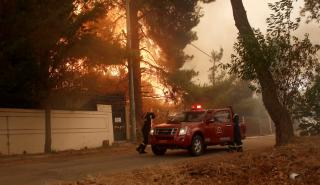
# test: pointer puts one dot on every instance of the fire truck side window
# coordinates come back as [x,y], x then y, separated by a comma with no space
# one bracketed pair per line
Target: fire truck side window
[194,116]
[209,117]
[222,116]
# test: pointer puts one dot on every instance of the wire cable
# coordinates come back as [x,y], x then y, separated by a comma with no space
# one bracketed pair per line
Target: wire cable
[201,50]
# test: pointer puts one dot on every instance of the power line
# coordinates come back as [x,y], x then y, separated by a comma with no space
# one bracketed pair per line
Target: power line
[201,50]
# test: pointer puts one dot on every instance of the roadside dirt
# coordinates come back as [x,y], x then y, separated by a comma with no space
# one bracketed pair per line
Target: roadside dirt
[297,163]
[116,149]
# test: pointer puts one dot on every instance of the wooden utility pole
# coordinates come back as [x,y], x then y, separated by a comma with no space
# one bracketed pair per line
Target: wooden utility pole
[130,72]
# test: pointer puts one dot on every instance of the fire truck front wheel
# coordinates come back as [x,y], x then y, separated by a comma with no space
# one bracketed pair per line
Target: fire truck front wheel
[197,146]
[158,150]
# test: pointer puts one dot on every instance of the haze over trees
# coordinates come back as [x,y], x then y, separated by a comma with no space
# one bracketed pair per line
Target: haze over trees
[216,57]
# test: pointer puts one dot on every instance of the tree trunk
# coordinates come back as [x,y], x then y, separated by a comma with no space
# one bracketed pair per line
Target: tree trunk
[45,88]
[135,43]
[278,113]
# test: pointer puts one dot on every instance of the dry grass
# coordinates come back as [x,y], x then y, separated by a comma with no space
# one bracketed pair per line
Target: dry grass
[267,168]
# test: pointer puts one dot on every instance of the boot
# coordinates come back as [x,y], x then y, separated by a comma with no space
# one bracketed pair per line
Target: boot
[231,148]
[239,148]
[141,149]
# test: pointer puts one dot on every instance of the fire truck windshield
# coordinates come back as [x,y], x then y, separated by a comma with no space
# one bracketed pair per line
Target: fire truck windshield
[193,116]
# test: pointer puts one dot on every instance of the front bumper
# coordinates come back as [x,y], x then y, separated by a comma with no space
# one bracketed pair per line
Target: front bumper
[172,141]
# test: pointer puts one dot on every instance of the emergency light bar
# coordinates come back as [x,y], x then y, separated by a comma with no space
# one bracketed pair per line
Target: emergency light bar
[196,107]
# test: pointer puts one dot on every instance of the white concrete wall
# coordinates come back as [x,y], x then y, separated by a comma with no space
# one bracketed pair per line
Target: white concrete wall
[25,129]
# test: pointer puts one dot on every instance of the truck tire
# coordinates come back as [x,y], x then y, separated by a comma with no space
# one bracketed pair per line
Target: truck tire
[197,146]
[158,150]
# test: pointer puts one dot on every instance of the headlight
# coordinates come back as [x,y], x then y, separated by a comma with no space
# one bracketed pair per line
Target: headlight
[183,131]
[152,131]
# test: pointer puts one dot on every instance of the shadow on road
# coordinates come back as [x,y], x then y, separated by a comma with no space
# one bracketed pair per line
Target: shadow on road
[184,153]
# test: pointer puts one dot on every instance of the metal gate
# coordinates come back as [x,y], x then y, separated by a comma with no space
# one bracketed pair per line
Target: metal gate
[119,123]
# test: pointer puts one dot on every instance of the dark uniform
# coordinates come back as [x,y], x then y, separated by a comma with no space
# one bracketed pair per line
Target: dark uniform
[237,143]
[145,131]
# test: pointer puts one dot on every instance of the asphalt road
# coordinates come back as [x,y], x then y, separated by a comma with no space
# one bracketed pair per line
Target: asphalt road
[47,172]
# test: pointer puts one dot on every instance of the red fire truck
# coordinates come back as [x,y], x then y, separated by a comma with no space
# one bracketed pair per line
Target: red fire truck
[194,130]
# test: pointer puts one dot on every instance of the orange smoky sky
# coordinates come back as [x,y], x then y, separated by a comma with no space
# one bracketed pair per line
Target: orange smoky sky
[217,29]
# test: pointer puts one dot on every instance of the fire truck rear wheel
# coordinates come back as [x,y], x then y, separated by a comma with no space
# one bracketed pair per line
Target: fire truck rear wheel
[197,146]
[158,150]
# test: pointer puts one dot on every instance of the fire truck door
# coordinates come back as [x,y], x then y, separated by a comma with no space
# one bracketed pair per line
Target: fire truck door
[218,131]
[214,130]
[224,125]
[209,128]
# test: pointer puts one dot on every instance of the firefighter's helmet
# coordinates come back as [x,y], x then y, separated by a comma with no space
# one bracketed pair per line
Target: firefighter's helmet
[236,118]
[149,116]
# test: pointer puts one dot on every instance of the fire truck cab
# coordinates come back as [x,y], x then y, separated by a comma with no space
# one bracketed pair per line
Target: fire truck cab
[194,130]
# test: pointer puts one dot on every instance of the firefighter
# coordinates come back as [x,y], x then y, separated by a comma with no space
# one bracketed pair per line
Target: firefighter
[149,116]
[237,143]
